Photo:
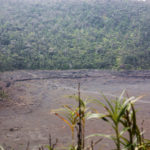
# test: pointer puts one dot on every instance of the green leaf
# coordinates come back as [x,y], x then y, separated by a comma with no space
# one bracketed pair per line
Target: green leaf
[110,105]
[102,135]
[121,96]
[97,115]
[1,148]
[124,130]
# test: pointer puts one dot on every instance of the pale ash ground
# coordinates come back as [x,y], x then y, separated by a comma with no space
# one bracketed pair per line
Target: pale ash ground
[33,94]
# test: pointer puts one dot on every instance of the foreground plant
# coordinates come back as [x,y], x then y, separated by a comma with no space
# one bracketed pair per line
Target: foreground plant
[1,148]
[69,114]
[3,95]
[74,116]
[121,115]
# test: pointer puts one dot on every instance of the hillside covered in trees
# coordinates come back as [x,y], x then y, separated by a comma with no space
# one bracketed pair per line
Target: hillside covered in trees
[74,34]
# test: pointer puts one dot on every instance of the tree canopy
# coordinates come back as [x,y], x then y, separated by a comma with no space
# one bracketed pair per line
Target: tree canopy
[70,34]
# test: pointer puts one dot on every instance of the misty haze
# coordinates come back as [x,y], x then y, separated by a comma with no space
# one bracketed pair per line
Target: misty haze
[63,67]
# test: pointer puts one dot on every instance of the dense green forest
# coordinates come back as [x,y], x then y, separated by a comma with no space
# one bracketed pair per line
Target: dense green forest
[74,34]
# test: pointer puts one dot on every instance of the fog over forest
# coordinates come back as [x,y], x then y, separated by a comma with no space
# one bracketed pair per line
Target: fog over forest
[85,34]
[64,65]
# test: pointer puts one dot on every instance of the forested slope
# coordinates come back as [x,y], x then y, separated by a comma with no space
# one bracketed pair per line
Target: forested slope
[70,34]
